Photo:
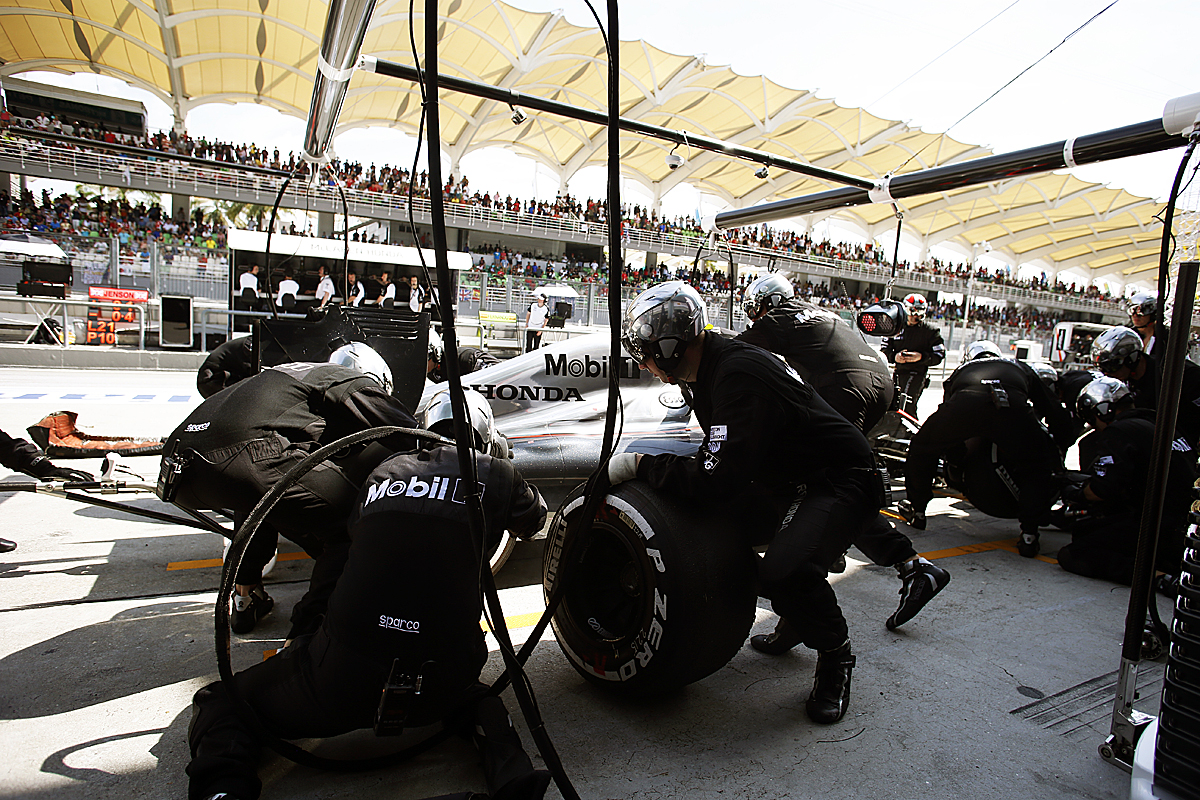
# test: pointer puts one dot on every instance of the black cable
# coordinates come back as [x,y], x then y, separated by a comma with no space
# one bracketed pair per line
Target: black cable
[1165,253]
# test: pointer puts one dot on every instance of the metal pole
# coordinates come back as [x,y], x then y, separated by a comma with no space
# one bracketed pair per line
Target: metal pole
[1128,724]
[507,96]
[1138,139]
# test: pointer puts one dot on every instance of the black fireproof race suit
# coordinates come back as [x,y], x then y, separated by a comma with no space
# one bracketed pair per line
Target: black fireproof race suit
[771,440]
[849,375]
[1145,395]
[920,338]
[1104,543]
[242,440]
[470,359]
[19,455]
[830,355]
[990,398]
[409,593]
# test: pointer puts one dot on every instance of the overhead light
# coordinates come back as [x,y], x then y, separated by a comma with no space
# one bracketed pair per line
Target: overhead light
[761,172]
[518,116]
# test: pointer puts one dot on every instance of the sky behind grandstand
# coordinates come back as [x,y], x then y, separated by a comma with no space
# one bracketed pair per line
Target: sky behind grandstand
[926,62]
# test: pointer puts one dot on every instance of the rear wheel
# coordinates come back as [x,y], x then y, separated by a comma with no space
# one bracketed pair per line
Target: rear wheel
[660,596]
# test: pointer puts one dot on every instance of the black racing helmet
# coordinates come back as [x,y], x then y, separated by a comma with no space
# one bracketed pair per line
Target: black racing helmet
[766,292]
[1115,348]
[1047,374]
[661,321]
[1102,399]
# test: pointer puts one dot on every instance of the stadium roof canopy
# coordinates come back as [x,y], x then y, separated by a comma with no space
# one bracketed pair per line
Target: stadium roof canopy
[192,52]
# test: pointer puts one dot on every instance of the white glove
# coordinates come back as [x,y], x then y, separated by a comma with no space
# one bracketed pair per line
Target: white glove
[622,467]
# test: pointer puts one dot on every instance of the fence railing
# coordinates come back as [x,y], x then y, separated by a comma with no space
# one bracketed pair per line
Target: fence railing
[160,172]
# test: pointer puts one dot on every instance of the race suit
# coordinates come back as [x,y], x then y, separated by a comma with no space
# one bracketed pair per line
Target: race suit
[770,439]
[409,595]
[849,375]
[1104,543]
[911,378]
[243,440]
[830,355]
[990,398]
[1145,395]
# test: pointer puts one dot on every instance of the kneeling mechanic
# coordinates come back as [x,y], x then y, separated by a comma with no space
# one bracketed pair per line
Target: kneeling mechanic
[405,612]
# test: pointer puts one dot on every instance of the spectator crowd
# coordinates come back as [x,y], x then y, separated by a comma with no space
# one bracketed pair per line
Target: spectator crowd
[140,224]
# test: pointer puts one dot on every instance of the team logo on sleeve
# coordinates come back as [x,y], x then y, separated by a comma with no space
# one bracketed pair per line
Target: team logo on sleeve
[1101,466]
[718,433]
[710,462]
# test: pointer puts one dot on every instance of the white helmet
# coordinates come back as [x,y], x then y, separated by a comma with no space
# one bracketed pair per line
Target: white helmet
[439,418]
[915,305]
[435,347]
[982,349]
[1102,399]
[359,356]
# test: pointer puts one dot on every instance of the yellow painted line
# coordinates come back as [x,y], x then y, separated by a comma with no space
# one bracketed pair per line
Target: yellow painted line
[891,514]
[982,547]
[216,562]
[517,621]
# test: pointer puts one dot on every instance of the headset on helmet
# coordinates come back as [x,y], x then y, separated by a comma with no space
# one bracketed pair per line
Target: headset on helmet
[661,321]
[439,418]
[1142,303]
[1102,399]
[982,349]
[359,356]
[1115,348]
[915,305]
[767,290]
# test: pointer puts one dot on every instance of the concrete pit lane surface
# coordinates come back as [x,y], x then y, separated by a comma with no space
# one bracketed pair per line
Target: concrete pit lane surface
[1001,688]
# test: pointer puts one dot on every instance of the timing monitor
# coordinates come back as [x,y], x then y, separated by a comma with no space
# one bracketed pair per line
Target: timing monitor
[175,323]
[562,313]
[45,279]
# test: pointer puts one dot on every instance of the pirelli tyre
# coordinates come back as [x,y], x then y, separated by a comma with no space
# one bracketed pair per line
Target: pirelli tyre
[662,596]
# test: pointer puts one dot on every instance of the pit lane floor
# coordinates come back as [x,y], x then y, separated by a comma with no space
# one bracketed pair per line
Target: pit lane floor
[1001,688]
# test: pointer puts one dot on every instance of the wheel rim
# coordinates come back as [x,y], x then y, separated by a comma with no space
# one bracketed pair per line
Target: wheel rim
[607,598]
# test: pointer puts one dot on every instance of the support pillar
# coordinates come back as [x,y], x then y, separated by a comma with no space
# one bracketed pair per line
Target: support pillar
[181,206]
[325,224]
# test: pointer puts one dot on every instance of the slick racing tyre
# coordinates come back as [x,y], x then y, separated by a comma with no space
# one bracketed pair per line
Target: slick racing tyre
[978,471]
[660,596]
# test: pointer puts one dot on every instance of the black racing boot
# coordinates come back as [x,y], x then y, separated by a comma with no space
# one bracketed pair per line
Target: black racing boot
[914,518]
[921,581]
[248,610]
[831,689]
[1028,544]
[779,641]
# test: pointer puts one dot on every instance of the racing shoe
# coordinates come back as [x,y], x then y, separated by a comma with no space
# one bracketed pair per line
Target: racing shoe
[1028,544]
[914,518]
[779,641]
[831,689]
[921,583]
[249,609]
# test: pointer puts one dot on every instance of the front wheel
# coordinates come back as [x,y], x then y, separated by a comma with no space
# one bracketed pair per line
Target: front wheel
[659,597]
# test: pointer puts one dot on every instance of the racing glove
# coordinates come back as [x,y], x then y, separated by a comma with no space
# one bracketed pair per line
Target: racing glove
[43,469]
[622,467]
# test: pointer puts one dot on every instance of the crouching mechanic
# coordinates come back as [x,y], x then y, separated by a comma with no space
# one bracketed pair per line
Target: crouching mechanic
[407,604]
[1001,401]
[1104,543]
[240,442]
[849,375]
[470,359]
[767,433]
[24,456]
